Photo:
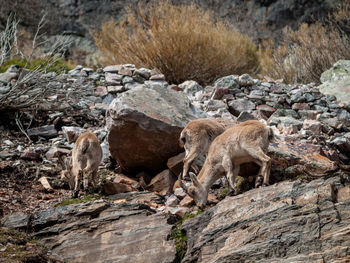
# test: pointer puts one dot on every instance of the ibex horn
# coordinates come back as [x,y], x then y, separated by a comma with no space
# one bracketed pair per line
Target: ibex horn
[194,179]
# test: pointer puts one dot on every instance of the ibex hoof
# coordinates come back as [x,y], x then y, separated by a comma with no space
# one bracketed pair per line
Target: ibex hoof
[75,193]
[259,182]
[232,192]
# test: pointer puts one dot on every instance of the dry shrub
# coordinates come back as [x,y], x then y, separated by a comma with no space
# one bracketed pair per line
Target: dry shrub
[341,17]
[304,54]
[182,42]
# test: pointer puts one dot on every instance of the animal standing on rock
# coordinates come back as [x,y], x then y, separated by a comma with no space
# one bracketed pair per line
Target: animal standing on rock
[243,143]
[86,157]
[196,138]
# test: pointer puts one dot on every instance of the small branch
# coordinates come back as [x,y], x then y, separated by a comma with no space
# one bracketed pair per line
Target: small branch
[20,127]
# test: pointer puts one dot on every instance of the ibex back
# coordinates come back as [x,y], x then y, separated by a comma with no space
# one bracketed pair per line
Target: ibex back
[86,157]
[196,138]
[243,143]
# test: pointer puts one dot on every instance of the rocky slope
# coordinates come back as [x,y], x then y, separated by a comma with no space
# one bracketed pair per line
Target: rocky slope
[295,219]
[286,222]
[74,17]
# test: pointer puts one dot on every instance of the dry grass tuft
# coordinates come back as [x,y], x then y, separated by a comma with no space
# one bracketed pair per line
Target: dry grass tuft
[183,42]
[304,54]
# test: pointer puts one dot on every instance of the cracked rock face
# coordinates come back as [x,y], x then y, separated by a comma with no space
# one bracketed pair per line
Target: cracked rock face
[103,232]
[286,222]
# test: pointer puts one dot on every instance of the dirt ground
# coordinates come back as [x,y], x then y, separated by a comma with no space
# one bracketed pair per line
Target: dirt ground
[20,189]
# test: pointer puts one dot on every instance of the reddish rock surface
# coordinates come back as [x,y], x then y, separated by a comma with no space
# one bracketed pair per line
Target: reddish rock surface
[145,126]
[286,222]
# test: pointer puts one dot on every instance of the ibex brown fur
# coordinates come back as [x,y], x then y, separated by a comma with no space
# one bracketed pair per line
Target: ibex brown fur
[86,157]
[196,138]
[243,143]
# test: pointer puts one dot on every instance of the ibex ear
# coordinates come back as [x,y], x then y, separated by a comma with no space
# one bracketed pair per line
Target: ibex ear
[194,179]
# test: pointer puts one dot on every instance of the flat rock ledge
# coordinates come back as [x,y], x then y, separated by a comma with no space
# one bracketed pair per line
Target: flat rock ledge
[101,231]
[285,222]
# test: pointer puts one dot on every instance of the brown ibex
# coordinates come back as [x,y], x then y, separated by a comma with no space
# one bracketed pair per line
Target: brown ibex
[243,143]
[196,138]
[86,157]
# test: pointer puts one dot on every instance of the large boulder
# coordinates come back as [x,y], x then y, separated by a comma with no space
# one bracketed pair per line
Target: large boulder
[145,125]
[336,81]
[285,222]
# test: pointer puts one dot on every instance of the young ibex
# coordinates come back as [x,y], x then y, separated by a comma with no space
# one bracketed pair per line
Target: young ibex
[86,157]
[243,143]
[196,138]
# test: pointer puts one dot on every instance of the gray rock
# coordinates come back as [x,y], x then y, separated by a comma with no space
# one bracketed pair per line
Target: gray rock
[240,105]
[138,79]
[245,116]
[16,220]
[314,126]
[228,82]
[342,143]
[127,79]
[47,131]
[332,122]
[108,99]
[190,87]
[95,76]
[172,201]
[102,107]
[309,97]
[72,133]
[297,96]
[245,80]
[336,81]
[113,79]
[156,84]
[339,71]
[132,85]
[143,72]
[256,93]
[149,120]
[76,71]
[157,77]
[179,192]
[127,70]
[214,105]
[286,113]
[344,116]
[308,114]
[55,152]
[115,89]
[320,108]
[4,89]
[285,122]
[112,68]
[105,152]
[265,111]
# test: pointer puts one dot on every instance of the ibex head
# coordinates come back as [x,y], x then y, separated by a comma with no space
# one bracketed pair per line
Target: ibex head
[195,190]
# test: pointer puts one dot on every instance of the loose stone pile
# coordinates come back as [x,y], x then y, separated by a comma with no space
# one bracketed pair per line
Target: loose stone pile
[138,117]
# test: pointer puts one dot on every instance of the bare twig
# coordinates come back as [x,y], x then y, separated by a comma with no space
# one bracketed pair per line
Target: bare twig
[8,39]
[31,83]
[20,126]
